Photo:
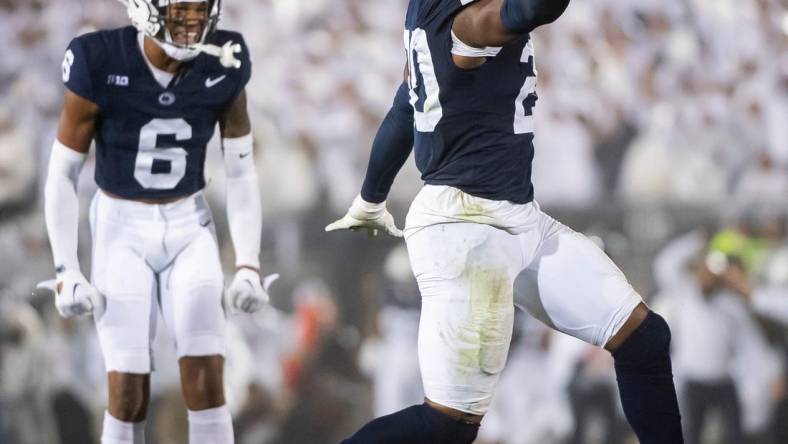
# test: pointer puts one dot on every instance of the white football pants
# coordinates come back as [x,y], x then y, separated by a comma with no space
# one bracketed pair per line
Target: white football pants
[466,253]
[148,257]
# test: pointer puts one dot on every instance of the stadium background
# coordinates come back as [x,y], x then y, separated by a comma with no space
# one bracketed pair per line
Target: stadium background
[655,119]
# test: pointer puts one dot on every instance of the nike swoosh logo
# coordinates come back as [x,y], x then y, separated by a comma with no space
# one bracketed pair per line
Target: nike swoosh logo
[209,82]
[206,223]
[244,155]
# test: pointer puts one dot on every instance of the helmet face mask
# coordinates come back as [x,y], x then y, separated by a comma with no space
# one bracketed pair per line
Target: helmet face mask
[186,24]
[178,26]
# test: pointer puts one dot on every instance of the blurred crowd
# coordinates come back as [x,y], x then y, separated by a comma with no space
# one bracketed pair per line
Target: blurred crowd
[661,132]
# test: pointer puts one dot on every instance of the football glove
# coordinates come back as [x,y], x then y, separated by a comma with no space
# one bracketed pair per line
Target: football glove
[365,215]
[247,293]
[75,296]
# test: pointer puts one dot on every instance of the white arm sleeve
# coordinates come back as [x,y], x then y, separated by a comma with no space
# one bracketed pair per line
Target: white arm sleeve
[244,210]
[61,206]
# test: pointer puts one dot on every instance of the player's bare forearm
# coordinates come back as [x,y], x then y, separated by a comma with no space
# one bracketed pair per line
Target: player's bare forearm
[480,25]
[498,22]
[77,124]
[234,122]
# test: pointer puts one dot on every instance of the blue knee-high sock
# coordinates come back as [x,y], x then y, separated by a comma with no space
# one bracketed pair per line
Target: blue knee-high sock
[418,424]
[645,382]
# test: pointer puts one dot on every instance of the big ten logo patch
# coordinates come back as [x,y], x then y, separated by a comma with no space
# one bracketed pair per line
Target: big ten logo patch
[117,80]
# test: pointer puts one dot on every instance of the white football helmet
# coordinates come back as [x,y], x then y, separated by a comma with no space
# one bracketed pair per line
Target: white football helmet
[159,19]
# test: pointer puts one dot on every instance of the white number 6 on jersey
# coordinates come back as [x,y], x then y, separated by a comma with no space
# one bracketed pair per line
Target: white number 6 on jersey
[148,154]
[68,60]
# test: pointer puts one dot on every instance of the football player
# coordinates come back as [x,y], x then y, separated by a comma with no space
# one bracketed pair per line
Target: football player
[150,96]
[467,105]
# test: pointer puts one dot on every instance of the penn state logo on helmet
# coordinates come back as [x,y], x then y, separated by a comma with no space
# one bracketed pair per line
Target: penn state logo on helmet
[181,27]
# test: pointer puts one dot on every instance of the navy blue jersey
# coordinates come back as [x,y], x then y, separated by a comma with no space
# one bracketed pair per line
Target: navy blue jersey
[150,140]
[474,127]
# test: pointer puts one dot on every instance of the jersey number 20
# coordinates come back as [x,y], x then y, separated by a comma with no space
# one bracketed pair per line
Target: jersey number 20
[425,89]
[161,168]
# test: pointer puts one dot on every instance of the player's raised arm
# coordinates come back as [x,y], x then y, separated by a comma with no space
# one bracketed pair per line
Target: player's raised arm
[75,295]
[390,149]
[247,292]
[497,22]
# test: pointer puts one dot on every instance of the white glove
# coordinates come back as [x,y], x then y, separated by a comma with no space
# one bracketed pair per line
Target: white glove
[76,297]
[247,293]
[362,214]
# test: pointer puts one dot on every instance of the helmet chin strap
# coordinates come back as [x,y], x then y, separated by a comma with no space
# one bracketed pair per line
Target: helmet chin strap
[225,53]
[182,54]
